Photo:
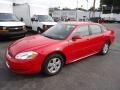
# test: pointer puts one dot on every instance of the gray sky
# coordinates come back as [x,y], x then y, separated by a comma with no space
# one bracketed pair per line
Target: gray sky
[62,3]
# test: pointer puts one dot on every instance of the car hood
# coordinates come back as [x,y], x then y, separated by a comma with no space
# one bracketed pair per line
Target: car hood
[49,23]
[31,43]
[14,23]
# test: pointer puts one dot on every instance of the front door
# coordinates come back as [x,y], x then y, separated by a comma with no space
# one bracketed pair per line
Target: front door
[80,47]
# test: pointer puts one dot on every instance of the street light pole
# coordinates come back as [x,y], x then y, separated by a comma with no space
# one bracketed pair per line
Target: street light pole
[112,7]
[77,18]
[77,12]
[94,8]
[87,11]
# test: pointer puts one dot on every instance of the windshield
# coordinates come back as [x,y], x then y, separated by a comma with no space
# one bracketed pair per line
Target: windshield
[7,17]
[45,18]
[59,31]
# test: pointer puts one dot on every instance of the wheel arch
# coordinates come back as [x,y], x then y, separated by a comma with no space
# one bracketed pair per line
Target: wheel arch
[109,41]
[39,28]
[57,52]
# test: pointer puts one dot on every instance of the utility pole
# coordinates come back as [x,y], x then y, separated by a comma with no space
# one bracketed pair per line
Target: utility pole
[94,8]
[77,12]
[112,8]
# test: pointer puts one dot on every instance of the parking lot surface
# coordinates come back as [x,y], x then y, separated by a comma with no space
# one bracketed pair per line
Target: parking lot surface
[93,73]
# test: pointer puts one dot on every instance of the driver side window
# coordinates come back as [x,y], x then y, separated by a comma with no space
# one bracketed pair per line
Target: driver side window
[82,31]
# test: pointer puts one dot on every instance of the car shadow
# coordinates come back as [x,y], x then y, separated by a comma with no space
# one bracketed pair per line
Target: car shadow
[7,75]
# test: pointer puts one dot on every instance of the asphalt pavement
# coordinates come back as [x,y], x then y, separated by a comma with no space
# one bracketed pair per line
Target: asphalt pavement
[93,73]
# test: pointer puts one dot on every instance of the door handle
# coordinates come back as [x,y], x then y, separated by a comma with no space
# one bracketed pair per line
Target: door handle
[88,38]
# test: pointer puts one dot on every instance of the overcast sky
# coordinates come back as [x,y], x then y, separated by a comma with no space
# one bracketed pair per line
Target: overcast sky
[61,3]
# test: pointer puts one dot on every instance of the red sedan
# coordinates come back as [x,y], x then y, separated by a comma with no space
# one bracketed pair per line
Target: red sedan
[62,44]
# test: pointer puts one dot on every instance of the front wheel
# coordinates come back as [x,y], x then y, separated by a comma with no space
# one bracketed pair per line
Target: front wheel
[105,48]
[53,64]
[39,30]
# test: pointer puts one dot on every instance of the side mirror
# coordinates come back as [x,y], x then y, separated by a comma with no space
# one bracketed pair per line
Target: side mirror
[32,19]
[76,37]
[21,19]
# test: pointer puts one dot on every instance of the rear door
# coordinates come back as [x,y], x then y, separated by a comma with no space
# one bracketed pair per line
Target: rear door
[96,37]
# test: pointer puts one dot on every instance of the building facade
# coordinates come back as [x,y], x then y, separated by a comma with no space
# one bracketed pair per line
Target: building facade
[73,15]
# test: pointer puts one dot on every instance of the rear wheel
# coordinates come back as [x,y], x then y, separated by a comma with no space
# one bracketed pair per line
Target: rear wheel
[105,48]
[53,64]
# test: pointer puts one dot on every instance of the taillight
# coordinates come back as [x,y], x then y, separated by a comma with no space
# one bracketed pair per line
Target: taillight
[112,34]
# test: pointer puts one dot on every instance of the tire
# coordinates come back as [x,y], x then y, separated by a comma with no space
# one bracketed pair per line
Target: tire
[24,35]
[39,30]
[53,64]
[105,48]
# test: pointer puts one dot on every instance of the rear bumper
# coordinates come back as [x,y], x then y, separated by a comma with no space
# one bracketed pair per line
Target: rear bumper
[12,34]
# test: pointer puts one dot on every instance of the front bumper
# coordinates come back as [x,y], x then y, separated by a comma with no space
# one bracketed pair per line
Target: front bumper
[12,34]
[23,67]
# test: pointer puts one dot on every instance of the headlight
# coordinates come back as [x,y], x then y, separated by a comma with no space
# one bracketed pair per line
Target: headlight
[4,28]
[26,55]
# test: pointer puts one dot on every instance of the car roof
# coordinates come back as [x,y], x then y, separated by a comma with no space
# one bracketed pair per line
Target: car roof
[78,23]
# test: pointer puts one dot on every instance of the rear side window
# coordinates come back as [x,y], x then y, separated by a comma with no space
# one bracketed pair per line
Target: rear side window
[83,31]
[95,29]
[104,29]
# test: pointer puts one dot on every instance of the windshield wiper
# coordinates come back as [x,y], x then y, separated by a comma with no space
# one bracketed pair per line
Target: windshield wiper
[12,20]
[49,37]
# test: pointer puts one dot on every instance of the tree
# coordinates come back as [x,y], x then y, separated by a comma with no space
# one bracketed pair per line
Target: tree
[110,4]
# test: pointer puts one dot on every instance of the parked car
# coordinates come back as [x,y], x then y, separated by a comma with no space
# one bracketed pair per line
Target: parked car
[41,23]
[62,44]
[111,17]
[10,26]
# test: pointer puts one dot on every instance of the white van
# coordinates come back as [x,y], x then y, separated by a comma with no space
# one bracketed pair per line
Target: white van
[35,16]
[111,17]
[10,26]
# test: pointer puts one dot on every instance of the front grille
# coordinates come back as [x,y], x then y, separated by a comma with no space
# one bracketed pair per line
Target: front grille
[14,29]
